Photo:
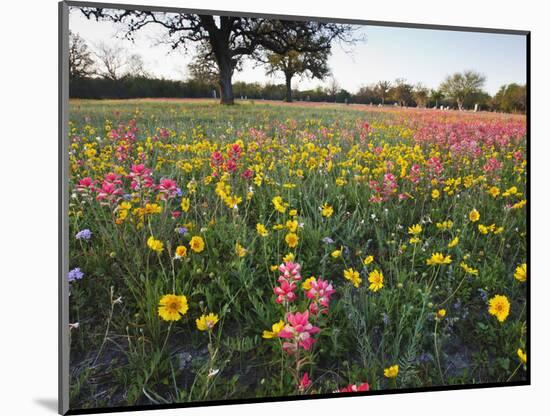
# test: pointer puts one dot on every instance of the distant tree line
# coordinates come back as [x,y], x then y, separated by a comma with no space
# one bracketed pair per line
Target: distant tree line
[109,72]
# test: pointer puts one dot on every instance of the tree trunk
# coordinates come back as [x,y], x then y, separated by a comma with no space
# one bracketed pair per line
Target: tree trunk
[226,87]
[219,41]
[288,79]
[460,104]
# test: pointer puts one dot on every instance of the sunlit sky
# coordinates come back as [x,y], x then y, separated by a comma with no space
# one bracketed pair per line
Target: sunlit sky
[418,55]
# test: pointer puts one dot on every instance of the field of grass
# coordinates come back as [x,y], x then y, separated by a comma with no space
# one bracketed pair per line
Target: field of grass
[273,250]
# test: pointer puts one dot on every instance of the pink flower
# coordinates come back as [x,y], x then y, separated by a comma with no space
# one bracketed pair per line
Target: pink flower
[216,159]
[320,293]
[109,191]
[86,184]
[139,171]
[247,174]
[298,331]
[290,271]
[492,165]
[230,166]
[168,188]
[305,382]
[113,178]
[352,388]
[234,151]
[285,292]
[141,177]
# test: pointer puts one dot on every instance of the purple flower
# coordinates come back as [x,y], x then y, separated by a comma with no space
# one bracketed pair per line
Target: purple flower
[84,235]
[181,230]
[75,274]
[179,192]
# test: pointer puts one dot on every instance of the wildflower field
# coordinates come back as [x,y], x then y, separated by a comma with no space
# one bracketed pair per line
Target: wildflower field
[268,250]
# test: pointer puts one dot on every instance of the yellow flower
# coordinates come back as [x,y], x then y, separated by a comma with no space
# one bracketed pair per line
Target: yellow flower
[274,268]
[185,204]
[499,306]
[493,191]
[293,212]
[181,251]
[288,257]
[485,229]
[307,283]
[415,229]
[453,243]
[368,260]
[340,181]
[196,244]
[469,269]
[510,191]
[292,225]
[522,356]
[352,276]
[336,253]
[279,204]
[326,210]
[261,230]
[519,204]
[445,225]
[206,322]
[441,313]
[292,240]
[240,250]
[521,273]
[275,329]
[435,194]
[172,307]
[438,258]
[376,279]
[414,240]
[232,201]
[391,372]
[153,209]
[155,245]
[125,205]
[474,215]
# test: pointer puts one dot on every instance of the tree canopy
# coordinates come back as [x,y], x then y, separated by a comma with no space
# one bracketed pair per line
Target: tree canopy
[229,38]
[462,86]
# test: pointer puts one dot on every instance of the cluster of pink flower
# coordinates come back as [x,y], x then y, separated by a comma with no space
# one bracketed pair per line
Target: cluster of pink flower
[141,177]
[229,163]
[168,189]
[466,135]
[353,388]
[290,274]
[320,292]
[435,167]
[298,329]
[385,189]
[111,189]
[124,136]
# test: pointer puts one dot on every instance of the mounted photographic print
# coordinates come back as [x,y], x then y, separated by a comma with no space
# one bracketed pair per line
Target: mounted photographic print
[267,208]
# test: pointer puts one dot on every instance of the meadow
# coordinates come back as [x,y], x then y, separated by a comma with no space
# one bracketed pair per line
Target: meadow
[267,250]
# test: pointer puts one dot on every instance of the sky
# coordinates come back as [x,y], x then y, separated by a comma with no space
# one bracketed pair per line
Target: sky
[418,55]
